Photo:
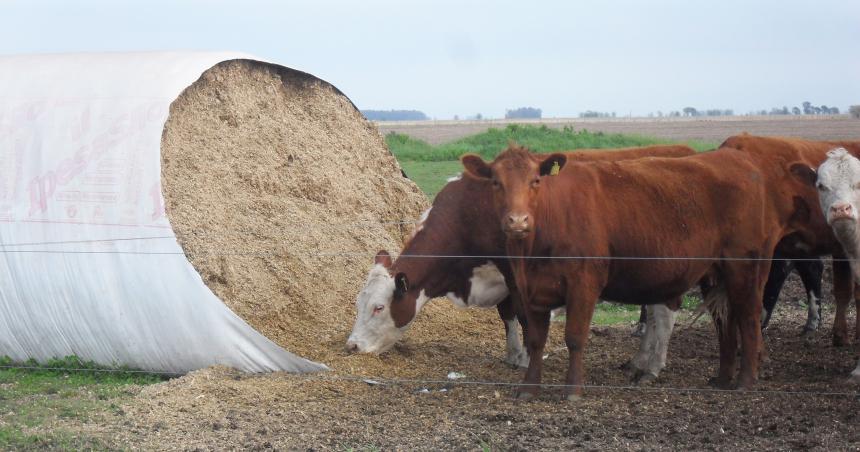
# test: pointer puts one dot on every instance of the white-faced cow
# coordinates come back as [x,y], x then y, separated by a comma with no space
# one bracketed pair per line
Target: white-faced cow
[838,183]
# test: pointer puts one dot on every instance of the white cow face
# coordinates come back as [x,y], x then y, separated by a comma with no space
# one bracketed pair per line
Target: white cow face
[838,186]
[375,330]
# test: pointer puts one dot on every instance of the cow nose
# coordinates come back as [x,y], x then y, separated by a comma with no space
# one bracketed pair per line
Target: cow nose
[843,210]
[518,221]
[351,347]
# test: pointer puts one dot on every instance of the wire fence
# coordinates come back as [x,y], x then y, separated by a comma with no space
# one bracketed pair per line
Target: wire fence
[14,248]
[5,249]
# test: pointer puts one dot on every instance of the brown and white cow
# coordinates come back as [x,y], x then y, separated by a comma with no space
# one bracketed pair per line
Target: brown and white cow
[838,184]
[697,215]
[461,222]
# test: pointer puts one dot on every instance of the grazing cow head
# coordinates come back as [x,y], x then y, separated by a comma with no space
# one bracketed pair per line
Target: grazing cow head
[516,175]
[384,308]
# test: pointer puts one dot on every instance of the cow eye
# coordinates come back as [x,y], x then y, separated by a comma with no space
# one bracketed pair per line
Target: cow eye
[378,308]
[496,184]
[821,186]
[535,183]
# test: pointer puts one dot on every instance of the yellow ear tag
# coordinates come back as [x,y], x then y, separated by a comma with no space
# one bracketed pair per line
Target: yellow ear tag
[555,169]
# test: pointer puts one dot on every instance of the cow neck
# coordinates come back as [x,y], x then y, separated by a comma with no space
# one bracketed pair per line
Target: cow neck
[429,276]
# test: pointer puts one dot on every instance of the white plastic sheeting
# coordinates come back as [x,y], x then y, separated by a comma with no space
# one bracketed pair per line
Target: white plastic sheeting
[89,264]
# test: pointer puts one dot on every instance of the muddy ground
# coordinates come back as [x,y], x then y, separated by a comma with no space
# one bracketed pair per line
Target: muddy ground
[804,402]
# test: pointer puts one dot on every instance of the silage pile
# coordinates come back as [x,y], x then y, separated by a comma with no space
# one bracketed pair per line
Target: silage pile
[280,193]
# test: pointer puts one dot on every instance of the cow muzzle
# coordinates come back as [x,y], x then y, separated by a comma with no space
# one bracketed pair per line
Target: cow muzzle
[842,211]
[517,226]
[355,344]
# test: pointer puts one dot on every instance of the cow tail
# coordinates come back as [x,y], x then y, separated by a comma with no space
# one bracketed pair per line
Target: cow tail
[716,303]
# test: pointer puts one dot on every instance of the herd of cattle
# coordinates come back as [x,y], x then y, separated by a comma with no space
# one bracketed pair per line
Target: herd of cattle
[529,233]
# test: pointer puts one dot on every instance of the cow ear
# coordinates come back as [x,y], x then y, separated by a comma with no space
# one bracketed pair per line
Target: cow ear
[552,164]
[476,166]
[383,258]
[805,173]
[401,285]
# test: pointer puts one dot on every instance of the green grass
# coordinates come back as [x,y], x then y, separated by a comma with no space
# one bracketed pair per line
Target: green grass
[431,176]
[537,138]
[615,314]
[430,166]
[33,399]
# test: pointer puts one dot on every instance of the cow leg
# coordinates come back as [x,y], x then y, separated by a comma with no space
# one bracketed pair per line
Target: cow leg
[779,271]
[810,273]
[640,360]
[516,354]
[843,288]
[728,339]
[538,328]
[854,378]
[580,309]
[657,341]
[641,327]
[745,283]
[857,314]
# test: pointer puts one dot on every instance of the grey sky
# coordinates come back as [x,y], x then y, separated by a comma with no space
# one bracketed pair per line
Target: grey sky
[463,57]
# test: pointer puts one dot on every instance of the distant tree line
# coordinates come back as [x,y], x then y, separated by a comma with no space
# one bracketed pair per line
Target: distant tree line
[807,109]
[855,111]
[394,115]
[523,112]
[477,116]
[596,114]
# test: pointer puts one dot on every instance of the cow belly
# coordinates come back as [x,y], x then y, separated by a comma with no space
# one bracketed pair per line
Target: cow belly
[632,291]
[487,288]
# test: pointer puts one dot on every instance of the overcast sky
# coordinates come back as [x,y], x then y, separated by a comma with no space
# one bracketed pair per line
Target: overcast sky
[463,57]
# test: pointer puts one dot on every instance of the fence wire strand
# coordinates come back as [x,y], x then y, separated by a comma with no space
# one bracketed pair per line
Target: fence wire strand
[286,251]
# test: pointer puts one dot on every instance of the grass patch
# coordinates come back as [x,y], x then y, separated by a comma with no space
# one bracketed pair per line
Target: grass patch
[430,166]
[537,138]
[12,438]
[431,176]
[47,378]
[33,399]
[606,314]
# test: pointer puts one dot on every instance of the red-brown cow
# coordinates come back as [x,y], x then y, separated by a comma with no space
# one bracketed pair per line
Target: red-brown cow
[705,217]
[461,222]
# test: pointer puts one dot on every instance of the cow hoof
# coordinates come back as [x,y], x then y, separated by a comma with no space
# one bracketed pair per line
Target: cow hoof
[518,361]
[840,341]
[626,365]
[854,378]
[571,397]
[645,379]
[639,330]
[524,396]
[720,383]
[807,332]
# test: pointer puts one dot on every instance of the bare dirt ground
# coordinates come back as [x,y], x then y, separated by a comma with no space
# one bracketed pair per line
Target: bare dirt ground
[219,408]
[714,129]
